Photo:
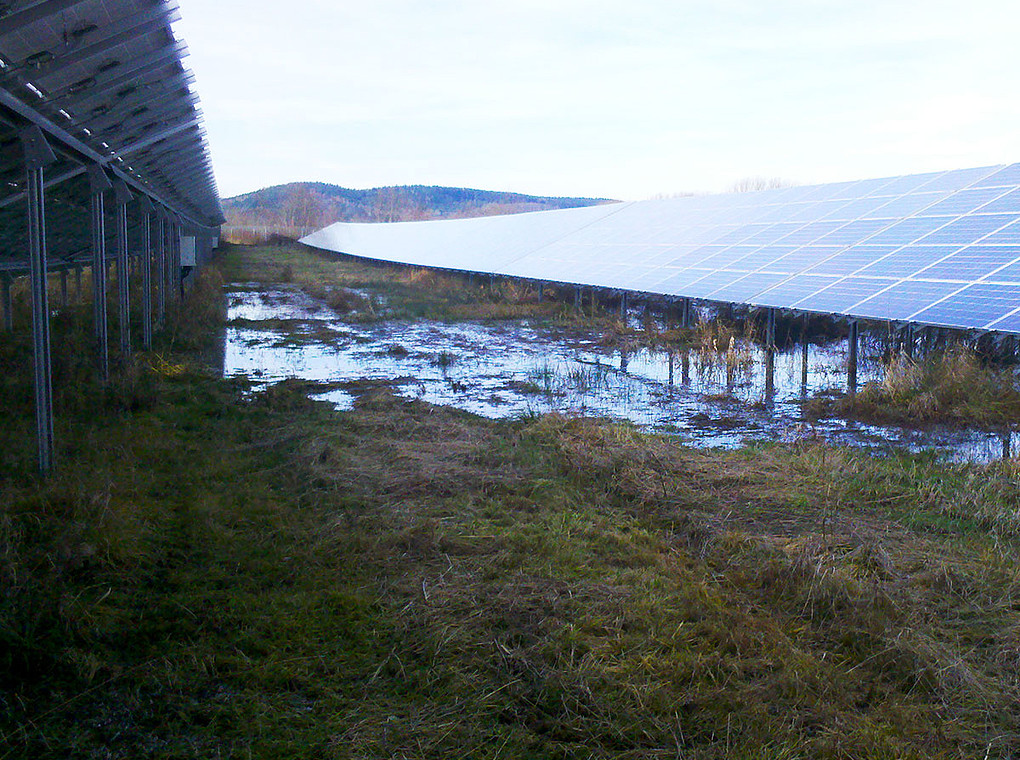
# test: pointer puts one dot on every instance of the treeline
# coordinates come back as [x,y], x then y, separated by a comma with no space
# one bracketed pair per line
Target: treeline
[317,204]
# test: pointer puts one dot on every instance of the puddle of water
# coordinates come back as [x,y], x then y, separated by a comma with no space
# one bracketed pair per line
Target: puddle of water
[514,369]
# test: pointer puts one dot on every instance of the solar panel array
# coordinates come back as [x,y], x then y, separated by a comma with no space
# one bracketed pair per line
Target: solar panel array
[105,82]
[940,248]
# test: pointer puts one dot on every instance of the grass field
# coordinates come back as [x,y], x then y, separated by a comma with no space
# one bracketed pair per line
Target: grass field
[214,573]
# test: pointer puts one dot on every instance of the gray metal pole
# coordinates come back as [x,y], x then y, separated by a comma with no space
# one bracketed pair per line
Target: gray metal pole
[770,354]
[161,267]
[851,369]
[99,182]
[685,313]
[37,156]
[623,305]
[123,281]
[123,268]
[175,261]
[146,277]
[63,288]
[541,292]
[804,354]
[77,284]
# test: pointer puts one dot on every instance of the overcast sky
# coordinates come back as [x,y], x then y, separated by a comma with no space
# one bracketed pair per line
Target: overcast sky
[596,98]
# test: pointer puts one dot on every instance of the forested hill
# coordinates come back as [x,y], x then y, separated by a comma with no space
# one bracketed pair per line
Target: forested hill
[317,204]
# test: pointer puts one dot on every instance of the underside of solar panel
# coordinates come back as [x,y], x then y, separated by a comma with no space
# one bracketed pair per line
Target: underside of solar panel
[940,248]
[104,82]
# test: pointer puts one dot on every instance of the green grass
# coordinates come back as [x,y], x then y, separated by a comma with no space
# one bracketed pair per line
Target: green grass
[216,573]
[953,386]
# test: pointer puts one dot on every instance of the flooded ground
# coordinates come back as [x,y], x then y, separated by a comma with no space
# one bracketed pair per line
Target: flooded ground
[511,369]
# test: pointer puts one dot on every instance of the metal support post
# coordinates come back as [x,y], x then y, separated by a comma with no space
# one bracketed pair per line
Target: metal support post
[77,284]
[770,354]
[908,340]
[37,156]
[770,330]
[851,368]
[175,246]
[804,354]
[123,195]
[577,298]
[146,205]
[63,288]
[173,273]
[99,182]
[541,292]
[685,313]
[8,304]
[623,305]
[161,268]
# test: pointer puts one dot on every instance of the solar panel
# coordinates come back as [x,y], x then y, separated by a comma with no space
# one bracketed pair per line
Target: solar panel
[104,79]
[942,247]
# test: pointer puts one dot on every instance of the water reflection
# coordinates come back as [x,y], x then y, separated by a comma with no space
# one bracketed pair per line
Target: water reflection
[512,369]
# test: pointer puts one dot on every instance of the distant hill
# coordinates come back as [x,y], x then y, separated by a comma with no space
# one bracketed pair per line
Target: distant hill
[317,204]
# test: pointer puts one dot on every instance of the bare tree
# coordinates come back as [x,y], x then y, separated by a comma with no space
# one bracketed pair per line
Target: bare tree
[753,184]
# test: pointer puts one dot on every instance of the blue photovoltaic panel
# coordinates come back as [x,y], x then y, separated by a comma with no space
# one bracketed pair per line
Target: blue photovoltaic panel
[1009,274]
[800,259]
[711,282]
[960,178]
[943,244]
[974,306]
[852,232]
[968,229]
[794,289]
[1008,323]
[746,287]
[971,263]
[907,184]
[904,206]
[908,230]
[963,202]
[841,295]
[907,261]
[1008,235]
[849,260]
[1008,176]
[903,299]
[809,233]
[1007,203]
[855,209]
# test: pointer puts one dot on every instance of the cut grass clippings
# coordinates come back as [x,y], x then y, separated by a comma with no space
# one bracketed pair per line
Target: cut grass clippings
[216,573]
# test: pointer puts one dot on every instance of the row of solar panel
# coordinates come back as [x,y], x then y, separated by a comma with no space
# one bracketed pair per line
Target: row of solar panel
[942,248]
